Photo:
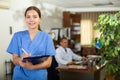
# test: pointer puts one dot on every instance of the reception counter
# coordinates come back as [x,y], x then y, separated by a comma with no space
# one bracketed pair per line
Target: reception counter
[76,72]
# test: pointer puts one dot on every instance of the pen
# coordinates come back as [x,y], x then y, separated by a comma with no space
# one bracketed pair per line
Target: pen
[24,51]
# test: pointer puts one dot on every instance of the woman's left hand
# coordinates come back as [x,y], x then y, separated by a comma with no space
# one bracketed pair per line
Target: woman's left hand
[27,65]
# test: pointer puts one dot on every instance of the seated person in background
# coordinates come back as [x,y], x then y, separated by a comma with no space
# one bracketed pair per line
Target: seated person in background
[64,55]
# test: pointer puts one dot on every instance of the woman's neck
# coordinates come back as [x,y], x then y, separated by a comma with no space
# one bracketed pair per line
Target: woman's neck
[32,33]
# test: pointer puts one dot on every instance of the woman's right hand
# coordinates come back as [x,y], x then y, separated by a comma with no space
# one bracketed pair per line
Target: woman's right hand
[25,55]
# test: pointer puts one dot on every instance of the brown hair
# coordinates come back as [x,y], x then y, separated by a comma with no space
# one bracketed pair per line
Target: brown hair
[62,39]
[37,10]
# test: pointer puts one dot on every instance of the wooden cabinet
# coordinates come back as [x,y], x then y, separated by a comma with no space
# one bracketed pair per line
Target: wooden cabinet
[72,21]
[69,19]
[66,19]
[76,17]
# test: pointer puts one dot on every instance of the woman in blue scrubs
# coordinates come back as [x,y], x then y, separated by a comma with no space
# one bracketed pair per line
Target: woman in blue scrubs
[34,42]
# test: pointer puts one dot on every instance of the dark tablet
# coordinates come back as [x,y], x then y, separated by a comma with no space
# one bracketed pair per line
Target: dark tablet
[35,59]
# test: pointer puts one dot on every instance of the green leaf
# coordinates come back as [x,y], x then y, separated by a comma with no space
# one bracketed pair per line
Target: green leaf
[109,27]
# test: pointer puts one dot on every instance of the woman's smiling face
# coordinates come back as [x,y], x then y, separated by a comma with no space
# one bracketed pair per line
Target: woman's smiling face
[32,19]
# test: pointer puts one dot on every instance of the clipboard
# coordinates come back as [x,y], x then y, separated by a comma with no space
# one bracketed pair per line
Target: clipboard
[35,59]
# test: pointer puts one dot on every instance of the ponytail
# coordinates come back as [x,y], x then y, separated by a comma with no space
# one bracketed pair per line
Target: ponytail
[39,28]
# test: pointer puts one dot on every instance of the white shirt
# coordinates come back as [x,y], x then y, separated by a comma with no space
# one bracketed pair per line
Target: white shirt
[63,57]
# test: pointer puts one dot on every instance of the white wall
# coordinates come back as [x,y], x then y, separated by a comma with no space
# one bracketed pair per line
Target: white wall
[14,17]
[5,22]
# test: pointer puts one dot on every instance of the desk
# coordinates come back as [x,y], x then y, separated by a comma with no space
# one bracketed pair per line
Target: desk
[67,73]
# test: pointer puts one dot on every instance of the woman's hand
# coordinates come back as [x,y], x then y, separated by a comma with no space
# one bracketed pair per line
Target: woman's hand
[16,59]
[25,55]
[27,65]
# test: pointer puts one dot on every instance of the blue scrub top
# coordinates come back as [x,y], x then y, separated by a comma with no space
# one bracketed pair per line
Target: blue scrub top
[42,44]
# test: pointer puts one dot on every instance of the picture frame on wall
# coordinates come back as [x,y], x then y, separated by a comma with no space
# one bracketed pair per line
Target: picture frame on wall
[61,32]
[66,32]
[56,32]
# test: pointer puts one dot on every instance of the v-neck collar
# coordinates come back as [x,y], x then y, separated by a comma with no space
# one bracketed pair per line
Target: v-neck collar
[34,36]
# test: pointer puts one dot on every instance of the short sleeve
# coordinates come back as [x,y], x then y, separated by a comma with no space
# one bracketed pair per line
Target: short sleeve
[13,46]
[50,49]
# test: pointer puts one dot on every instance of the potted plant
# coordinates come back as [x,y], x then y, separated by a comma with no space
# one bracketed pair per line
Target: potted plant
[109,27]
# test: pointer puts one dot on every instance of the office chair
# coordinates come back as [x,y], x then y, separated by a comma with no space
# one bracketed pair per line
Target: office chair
[52,72]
